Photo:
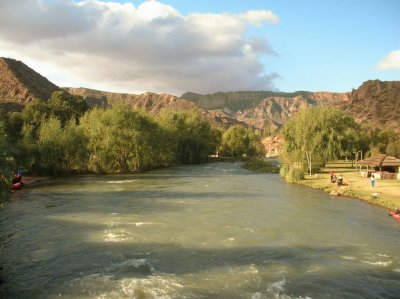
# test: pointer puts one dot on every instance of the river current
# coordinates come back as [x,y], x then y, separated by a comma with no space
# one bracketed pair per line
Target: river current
[207,231]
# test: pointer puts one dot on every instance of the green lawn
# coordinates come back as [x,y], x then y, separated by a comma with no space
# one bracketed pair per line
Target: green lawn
[388,191]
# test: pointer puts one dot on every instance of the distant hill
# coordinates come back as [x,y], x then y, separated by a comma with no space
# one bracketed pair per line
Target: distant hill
[19,84]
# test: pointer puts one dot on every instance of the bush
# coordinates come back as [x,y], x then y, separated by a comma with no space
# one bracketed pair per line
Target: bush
[260,166]
[294,174]
[283,171]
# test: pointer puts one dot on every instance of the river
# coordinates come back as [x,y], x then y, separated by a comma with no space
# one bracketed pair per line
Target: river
[207,231]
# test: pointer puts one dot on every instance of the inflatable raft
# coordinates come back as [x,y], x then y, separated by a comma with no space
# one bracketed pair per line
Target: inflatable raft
[17,186]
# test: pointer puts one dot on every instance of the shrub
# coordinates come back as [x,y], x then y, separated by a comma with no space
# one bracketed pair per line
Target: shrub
[260,166]
[294,174]
[283,171]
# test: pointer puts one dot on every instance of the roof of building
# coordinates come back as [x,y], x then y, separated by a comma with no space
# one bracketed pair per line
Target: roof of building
[380,160]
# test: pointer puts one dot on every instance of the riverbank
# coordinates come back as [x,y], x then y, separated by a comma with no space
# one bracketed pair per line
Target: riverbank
[386,193]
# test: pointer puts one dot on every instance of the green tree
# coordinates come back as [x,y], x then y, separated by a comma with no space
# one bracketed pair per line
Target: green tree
[65,106]
[318,135]
[238,141]
[393,148]
[6,165]
[378,140]
[121,139]
[57,150]
[190,139]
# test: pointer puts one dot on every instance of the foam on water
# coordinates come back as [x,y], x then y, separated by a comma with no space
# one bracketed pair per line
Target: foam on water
[120,182]
[143,223]
[276,290]
[350,258]
[163,287]
[131,263]
[119,236]
[378,263]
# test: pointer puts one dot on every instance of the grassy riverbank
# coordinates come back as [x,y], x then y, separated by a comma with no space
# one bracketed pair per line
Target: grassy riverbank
[386,193]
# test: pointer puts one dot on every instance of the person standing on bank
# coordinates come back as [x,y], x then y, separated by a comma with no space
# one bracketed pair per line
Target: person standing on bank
[331,174]
[372,180]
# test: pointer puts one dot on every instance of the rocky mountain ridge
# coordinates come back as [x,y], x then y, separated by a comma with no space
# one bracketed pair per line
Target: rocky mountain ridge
[153,103]
[19,84]
[374,101]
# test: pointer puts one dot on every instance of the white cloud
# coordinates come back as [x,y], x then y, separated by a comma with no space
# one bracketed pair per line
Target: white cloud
[256,17]
[391,61]
[151,47]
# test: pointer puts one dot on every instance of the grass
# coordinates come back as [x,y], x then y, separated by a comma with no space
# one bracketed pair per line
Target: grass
[386,192]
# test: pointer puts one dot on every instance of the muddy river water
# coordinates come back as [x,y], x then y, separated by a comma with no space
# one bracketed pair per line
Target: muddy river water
[207,231]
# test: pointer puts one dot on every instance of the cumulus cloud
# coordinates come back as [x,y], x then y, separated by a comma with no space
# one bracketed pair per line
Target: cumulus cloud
[151,47]
[257,17]
[391,61]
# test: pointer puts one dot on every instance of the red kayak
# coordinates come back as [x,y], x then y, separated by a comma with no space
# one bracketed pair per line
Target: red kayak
[17,186]
[394,215]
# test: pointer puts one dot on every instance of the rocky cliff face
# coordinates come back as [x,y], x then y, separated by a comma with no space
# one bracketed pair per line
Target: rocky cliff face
[377,102]
[263,109]
[273,112]
[154,103]
[273,145]
[20,84]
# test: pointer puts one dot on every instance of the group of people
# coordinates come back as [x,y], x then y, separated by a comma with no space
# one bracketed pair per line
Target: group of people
[338,180]
[17,182]
[17,178]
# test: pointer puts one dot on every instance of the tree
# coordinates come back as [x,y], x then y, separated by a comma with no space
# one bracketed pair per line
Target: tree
[65,106]
[378,140]
[238,141]
[190,139]
[6,165]
[121,139]
[59,150]
[319,135]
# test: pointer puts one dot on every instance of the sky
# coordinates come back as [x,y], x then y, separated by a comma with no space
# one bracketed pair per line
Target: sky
[175,46]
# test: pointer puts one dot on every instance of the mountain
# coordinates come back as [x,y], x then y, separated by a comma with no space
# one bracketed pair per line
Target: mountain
[263,109]
[374,101]
[153,103]
[19,84]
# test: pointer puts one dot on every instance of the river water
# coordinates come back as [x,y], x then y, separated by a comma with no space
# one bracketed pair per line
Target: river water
[208,231]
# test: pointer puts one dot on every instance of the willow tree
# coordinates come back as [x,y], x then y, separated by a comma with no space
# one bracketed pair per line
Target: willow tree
[121,140]
[6,165]
[238,141]
[58,149]
[318,135]
[190,139]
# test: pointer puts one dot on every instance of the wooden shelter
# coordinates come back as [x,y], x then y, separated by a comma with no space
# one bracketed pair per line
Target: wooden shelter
[387,166]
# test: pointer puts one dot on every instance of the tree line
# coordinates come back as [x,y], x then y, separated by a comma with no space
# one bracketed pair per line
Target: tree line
[63,136]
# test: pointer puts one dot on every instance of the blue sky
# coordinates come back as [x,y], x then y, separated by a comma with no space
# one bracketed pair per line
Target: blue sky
[206,46]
